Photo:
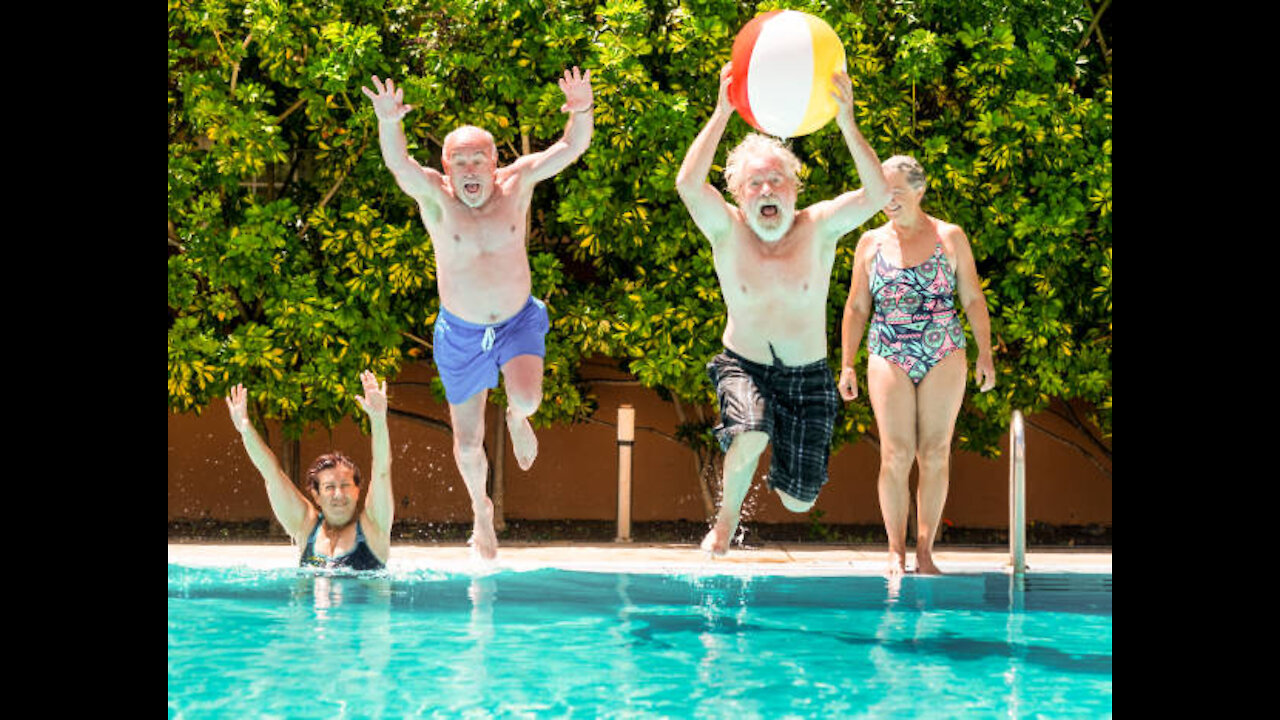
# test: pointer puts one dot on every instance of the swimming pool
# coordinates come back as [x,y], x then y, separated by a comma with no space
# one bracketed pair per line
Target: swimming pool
[291,643]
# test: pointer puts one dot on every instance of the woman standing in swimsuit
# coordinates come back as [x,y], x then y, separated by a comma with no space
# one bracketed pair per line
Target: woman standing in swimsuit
[905,276]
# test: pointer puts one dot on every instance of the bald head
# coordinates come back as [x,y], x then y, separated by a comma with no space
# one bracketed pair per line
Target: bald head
[469,136]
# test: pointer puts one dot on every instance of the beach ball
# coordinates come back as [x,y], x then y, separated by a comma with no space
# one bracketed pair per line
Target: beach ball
[782,66]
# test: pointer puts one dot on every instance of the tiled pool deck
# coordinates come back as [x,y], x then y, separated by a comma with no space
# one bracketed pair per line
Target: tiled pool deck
[765,558]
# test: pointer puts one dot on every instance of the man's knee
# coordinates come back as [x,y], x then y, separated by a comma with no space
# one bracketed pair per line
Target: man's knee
[466,444]
[524,404]
[794,504]
[745,449]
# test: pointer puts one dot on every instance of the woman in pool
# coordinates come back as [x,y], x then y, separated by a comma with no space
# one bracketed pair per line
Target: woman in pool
[330,531]
[905,275]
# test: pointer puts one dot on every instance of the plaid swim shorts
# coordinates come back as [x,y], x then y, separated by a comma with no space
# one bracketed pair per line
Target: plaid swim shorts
[796,406]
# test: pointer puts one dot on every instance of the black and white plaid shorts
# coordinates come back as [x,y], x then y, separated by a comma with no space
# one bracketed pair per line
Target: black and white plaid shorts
[796,406]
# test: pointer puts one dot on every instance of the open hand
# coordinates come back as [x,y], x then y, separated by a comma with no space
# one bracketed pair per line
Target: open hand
[374,400]
[388,102]
[842,93]
[726,79]
[576,87]
[238,404]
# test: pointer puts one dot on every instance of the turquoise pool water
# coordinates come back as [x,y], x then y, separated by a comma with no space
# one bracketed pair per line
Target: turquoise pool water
[288,643]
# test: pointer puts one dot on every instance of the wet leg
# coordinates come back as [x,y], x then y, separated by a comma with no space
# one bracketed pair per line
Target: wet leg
[523,382]
[739,467]
[468,452]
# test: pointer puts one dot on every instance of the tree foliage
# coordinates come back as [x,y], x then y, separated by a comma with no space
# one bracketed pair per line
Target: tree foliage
[294,283]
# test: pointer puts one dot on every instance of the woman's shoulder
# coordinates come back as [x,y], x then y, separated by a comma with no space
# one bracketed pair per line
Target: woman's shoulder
[871,239]
[945,229]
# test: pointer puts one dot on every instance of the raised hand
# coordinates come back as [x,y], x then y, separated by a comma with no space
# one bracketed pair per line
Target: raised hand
[726,79]
[374,400]
[238,404]
[576,87]
[842,93]
[388,102]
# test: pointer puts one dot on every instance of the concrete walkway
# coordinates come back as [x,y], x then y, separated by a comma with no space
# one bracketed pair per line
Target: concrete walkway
[670,558]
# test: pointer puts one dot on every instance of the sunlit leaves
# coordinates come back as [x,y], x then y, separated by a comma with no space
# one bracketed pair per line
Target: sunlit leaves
[293,285]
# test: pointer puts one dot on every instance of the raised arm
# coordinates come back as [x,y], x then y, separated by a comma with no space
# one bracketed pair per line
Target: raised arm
[422,184]
[838,216]
[857,309]
[290,506]
[379,502]
[975,308]
[579,102]
[707,206]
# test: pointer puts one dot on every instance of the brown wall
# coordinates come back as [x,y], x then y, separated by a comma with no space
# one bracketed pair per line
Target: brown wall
[575,476]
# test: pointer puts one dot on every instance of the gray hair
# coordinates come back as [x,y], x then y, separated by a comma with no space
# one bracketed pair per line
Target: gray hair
[909,167]
[752,144]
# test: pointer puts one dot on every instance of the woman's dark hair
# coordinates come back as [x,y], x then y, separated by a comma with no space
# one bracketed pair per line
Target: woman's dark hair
[329,460]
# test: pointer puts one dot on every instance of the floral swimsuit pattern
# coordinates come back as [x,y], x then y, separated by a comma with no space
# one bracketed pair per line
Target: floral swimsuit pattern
[914,325]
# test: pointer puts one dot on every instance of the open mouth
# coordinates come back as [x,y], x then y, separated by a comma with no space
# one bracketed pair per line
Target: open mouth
[769,211]
[471,188]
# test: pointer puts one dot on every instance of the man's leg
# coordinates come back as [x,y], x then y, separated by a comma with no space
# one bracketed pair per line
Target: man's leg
[468,452]
[794,504]
[893,399]
[523,382]
[938,399]
[739,467]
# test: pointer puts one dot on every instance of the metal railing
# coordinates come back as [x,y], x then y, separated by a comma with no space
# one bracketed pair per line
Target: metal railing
[1017,495]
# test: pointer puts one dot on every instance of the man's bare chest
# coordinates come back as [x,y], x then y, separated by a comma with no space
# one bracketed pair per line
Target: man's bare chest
[795,277]
[470,235]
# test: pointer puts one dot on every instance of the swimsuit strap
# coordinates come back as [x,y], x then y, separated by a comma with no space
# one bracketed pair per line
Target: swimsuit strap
[311,539]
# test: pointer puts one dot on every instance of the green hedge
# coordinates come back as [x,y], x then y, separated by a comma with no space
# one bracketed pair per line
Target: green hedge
[293,289]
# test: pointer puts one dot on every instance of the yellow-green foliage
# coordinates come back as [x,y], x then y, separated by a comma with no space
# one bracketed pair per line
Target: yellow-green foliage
[295,289]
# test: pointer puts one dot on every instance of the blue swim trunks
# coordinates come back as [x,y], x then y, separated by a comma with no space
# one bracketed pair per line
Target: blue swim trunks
[470,356]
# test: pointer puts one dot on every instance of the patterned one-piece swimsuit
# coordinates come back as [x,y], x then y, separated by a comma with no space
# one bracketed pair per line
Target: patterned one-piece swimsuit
[914,325]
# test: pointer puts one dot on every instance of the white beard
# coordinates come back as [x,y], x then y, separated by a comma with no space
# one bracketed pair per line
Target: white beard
[472,201]
[770,235]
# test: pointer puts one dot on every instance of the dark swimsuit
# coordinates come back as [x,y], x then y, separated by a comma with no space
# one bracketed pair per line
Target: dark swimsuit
[360,557]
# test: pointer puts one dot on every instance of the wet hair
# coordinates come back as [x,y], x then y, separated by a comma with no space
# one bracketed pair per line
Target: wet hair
[327,461]
[750,146]
[462,129]
[910,167]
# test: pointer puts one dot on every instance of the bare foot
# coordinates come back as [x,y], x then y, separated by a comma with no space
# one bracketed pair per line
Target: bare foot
[897,565]
[483,539]
[524,443]
[925,566]
[716,543]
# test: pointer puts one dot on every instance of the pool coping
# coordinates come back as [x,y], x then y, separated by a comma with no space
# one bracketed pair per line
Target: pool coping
[772,558]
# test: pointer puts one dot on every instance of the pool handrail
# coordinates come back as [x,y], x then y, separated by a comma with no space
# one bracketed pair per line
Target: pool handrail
[1017,494]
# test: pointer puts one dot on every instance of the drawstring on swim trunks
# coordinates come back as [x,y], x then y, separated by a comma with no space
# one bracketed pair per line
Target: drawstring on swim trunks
[487,343]
[777,362]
